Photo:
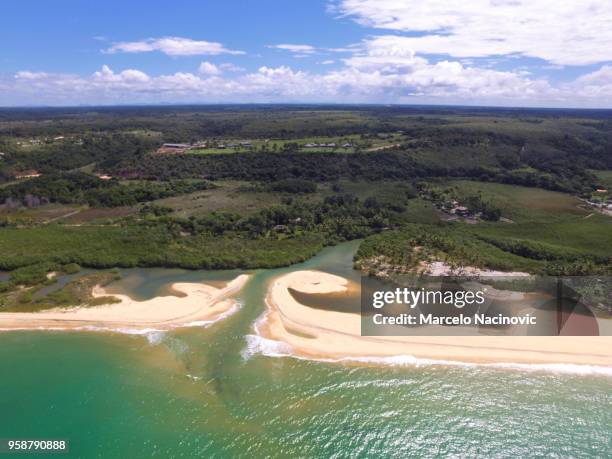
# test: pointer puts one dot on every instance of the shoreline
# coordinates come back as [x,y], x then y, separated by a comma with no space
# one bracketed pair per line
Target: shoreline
[200,304]
[317,334]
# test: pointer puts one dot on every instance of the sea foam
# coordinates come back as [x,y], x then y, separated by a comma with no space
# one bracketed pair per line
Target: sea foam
[259,345]
[271,348]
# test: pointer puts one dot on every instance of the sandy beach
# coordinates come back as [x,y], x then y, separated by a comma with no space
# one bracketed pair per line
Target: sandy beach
[200,304]
[321,334]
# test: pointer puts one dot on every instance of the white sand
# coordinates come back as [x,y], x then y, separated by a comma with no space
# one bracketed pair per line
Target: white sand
[440,268]
[201,303]
[320,334]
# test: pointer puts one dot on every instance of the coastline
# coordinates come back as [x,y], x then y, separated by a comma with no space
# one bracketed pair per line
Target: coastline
[200,304]
[318,334]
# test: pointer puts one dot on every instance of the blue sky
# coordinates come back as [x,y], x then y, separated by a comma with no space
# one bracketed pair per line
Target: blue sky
[482,52]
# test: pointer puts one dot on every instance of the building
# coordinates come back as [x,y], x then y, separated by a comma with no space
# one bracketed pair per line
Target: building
[173,148]
[27,175]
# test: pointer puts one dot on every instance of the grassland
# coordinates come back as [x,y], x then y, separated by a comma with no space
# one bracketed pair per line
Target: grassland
[605,178]
[518,203]
[357,142]
[550,234]
[229,196]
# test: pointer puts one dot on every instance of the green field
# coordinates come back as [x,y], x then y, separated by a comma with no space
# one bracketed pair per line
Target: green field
[357,142]
[605,177]
[519,203]
[550,234]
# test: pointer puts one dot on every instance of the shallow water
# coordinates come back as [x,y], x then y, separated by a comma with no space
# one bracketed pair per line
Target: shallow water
[200,392]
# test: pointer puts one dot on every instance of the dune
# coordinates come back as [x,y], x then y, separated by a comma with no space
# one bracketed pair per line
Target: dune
[322,334]
[200,304]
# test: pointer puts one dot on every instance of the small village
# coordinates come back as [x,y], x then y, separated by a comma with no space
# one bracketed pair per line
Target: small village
[38,141]
[249,145]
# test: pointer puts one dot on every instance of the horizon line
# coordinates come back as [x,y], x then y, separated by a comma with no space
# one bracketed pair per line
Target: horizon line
[300,104]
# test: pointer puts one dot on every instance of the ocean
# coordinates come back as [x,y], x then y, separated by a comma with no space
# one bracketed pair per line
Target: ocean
[217,391]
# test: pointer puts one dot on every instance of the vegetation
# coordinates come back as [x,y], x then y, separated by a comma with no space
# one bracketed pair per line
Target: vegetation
[548,234]
[79,187]
[77,292]
[520,173]
[147,246]
[295,186]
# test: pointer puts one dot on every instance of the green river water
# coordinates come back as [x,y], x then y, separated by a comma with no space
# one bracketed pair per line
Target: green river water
[208,392]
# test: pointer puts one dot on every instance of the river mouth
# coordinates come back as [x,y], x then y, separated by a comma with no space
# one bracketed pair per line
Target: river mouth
[194,392]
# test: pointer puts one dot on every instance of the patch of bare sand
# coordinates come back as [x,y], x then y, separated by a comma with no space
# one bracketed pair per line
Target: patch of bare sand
[322,334]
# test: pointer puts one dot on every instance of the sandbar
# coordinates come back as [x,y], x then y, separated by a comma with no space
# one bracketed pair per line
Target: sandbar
[323,335]
[200,304]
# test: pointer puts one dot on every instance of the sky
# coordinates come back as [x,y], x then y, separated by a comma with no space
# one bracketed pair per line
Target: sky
[539,53]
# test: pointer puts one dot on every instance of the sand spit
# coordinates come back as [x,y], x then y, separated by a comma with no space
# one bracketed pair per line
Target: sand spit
[328,335]
[200,304]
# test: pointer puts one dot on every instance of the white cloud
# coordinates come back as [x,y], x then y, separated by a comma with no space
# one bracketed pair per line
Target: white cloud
[106,75]
[300,49]
[307,50]
[371,76]
[327,62]
[229,67]
[384,54]
[27,75]
[564,32]
[207,68]
[172,46]
[597,84]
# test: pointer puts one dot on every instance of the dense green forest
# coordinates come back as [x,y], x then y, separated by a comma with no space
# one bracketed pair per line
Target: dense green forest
[82,188]
[89,187]
[544,148]
[333,166]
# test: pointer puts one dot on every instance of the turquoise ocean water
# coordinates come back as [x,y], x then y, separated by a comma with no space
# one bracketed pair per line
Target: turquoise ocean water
[205,392]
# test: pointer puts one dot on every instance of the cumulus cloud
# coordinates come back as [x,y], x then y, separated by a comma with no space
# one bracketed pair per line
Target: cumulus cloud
[355,82]
[206,68]
[106,75]
[210,69]
[376,73]
[384,54]
[172,46]
[568,32]
[597,84]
